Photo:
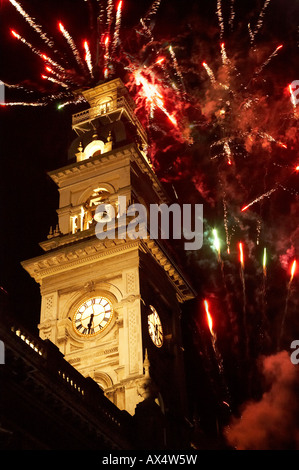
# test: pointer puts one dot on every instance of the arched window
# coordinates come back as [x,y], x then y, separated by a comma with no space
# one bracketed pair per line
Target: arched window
[94,148]
[84,219]
[105,106]
[99,196]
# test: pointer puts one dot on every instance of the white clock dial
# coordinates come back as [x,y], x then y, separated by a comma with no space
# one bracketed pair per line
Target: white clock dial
[93,316]
[155,327]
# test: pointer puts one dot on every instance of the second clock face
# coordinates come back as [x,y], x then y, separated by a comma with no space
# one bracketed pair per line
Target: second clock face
[93,316]
[155,327]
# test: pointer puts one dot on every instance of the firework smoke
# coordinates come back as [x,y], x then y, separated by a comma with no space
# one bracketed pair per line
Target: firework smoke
[272,422]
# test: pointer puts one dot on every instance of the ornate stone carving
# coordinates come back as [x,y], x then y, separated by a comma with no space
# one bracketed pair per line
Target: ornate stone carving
[132,322]
[90,286]
[45,330]
[130,282]
[49,312]
[131,298]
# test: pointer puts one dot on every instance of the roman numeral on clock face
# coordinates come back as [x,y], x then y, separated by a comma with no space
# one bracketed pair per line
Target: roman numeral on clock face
[93,316]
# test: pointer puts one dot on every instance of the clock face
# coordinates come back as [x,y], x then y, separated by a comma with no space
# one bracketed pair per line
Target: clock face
[93,316]
[155,327]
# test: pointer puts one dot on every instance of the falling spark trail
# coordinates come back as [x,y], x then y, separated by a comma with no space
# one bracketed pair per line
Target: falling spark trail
[88,58]
[53,80]
[28,44]
[71,43]
[52,62]
[241,254]
[176,66]
[209,318]
[36,51]
[17,87]
[265,262]
[174,190]
[152,10]
[232,14]
[159,61]
[106,56]
[251,35]
[268,193]
[228,152]
[220,18]
[117,26]
[147,31]
[259,22]
[217,353]
[274,53]
[218,356]
[210,73]
[265,135]
[225,60]
[109,15]
[22,103]
[258,230]
[213,335]
[74,101]
[32,23]
[57,75]
[293,270]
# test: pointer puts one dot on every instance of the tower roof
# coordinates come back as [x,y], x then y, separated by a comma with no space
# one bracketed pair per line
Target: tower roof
[110,103]
[114,88]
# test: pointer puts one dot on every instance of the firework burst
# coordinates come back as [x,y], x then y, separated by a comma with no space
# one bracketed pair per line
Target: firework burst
[91,66]
[221,120]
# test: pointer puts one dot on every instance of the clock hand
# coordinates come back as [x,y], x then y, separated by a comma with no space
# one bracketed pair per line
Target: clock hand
[90,322]
[91,319]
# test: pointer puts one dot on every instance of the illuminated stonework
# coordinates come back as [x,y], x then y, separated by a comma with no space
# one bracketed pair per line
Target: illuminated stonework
[77,267]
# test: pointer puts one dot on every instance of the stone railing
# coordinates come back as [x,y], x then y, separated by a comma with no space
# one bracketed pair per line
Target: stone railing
[106,109]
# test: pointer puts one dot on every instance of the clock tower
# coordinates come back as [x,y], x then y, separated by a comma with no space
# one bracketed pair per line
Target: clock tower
[112,305]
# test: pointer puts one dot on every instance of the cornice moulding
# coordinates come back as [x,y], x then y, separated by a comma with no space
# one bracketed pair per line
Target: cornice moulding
[92,250]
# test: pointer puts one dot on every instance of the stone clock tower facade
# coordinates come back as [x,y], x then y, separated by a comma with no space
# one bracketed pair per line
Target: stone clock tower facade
[112,306]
